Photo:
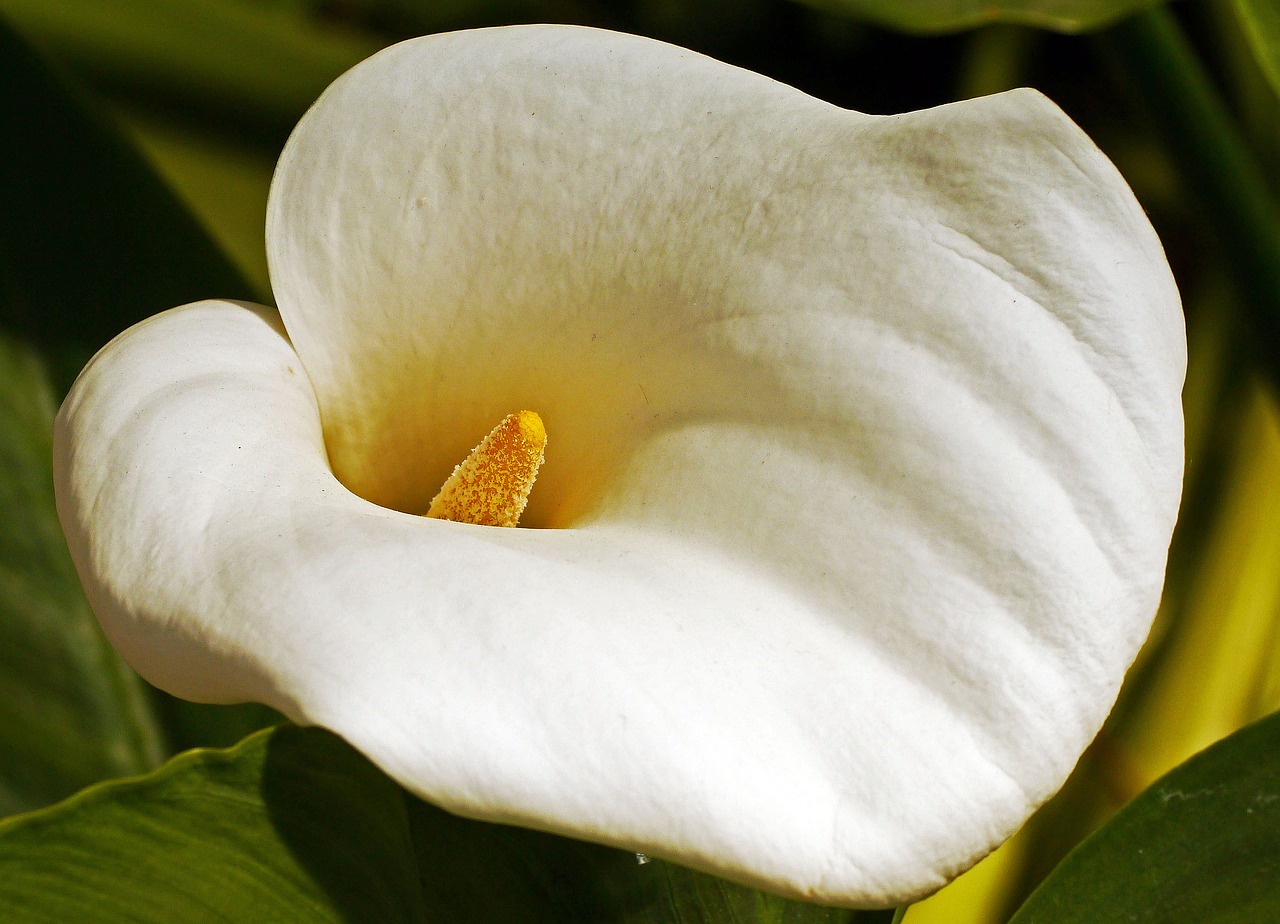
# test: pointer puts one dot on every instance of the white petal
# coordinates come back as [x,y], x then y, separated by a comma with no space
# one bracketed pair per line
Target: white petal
[865,450]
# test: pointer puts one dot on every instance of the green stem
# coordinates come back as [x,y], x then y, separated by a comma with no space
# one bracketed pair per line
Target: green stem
[995,59]
[1210,152]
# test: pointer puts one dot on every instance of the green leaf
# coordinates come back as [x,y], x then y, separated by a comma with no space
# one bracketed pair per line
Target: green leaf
[294,825]
[222,180]
[260,64]
[91,240]
[1201,844]
[952,15]
[1226,182]
[1252,77]
[206,838]
[71,713]
[474,873]
[1260,22]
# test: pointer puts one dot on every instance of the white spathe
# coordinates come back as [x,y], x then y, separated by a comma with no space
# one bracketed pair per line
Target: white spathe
[865,451]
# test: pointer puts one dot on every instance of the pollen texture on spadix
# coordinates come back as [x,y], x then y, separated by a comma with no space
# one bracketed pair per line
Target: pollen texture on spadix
[491,486]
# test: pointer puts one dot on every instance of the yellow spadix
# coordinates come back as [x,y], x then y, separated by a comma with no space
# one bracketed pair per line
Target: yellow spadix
[491,486]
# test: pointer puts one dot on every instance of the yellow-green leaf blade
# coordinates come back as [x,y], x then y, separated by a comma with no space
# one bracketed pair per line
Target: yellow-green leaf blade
[1260,22]
[246,60]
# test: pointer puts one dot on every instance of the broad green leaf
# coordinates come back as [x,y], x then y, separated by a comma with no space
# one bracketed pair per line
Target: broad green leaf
[474,873]
[71,713]
[208,838]
[1201,844]
[951,15]
[1260,22]
[260,64]
[294,825]
[90,242]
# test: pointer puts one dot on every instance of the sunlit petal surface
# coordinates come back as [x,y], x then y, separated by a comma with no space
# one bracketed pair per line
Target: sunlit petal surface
[864,452]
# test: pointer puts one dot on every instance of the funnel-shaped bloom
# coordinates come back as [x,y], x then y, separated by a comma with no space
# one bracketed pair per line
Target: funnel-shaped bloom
[864,452]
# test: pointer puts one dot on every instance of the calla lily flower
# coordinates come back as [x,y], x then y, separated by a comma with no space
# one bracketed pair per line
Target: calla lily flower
[863,452]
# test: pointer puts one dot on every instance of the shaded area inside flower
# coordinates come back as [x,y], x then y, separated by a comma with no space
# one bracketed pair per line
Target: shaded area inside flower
[491,486]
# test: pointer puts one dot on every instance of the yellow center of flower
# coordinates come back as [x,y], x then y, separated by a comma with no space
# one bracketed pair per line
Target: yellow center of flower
[491,486]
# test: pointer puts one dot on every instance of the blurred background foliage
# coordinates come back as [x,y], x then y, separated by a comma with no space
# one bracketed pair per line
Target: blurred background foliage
[207,90]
